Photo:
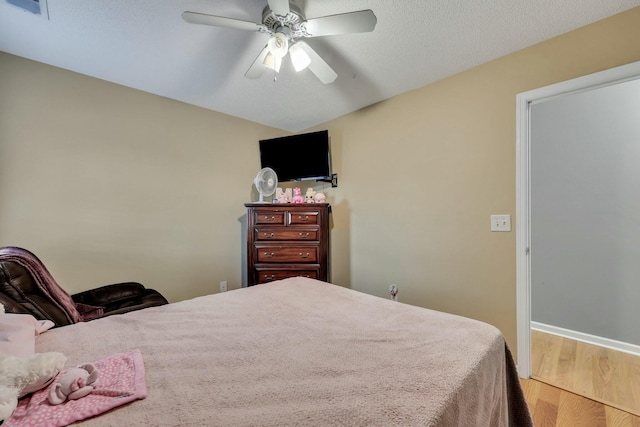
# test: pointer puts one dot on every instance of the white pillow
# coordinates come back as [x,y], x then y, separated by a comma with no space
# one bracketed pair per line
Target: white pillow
[18,333]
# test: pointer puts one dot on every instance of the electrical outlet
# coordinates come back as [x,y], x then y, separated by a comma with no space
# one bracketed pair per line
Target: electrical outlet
[223,286]
[500,222]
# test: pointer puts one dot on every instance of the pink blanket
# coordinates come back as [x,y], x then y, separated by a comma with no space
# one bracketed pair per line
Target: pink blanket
[121,381]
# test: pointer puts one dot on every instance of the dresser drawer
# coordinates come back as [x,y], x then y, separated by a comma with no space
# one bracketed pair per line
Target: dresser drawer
[265,233]
[299,218]
[266,276]
[290,254]
[269,217]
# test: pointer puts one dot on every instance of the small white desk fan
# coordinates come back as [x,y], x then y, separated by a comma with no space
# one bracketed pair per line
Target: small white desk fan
[266,182]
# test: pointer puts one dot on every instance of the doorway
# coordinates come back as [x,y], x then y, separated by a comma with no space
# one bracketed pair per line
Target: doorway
[525,241]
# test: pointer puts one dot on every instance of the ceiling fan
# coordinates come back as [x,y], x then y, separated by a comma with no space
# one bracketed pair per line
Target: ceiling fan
[286,24]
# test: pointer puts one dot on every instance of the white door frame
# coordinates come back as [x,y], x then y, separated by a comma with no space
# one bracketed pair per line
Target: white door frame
[523,188]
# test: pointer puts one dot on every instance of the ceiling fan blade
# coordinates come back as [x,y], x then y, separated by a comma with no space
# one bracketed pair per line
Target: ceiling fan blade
[257,68]
[279,7]
[321,69]
[220,21]
[362,21]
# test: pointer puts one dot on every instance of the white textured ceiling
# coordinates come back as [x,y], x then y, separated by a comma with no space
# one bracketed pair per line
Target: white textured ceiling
[144,44]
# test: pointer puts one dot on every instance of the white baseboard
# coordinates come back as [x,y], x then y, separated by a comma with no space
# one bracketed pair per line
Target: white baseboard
[587,338]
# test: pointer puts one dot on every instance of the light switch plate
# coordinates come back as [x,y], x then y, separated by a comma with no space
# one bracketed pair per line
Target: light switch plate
[500,222]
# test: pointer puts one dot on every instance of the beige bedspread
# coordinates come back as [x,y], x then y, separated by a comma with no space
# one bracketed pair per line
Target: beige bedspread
[302,352]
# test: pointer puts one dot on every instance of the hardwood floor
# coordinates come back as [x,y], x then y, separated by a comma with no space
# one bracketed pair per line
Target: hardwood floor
[598,373]
[576,384]
[553,407]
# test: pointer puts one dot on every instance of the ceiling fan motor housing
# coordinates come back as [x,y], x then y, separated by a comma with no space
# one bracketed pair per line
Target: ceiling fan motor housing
[292,22]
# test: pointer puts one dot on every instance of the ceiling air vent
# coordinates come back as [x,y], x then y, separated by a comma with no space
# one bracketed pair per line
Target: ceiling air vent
[37,7]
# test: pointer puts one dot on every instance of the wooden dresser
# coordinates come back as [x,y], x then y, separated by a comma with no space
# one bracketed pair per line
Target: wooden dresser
[287,240]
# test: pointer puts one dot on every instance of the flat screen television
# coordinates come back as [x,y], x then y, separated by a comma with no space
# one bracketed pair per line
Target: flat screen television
[298,157]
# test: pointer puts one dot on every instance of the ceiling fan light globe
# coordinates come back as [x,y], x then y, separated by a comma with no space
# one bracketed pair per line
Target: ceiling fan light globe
[278,45]
[272,62]
[269,61]
[299,57]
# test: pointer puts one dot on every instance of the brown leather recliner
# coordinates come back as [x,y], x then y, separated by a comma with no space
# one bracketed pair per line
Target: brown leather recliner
[20,294]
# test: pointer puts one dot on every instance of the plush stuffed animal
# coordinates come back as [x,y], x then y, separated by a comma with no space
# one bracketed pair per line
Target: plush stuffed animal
[74,384]
[29,374]
[20,376]
[320,198]
[297,196]
[22,371]
[283,196]
[308,198]
[8,402]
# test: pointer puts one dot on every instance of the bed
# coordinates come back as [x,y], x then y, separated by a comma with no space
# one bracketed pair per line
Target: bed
[303,352]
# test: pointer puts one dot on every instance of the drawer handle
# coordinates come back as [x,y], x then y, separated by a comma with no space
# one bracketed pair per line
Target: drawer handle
[304,255]
[269,236]
[269,255]
[303,218]
[269,278]
[270,218]
[303,235]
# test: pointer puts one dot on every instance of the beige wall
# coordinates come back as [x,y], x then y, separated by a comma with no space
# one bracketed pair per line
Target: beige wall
[110,184]
[421,174]
[113,184]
